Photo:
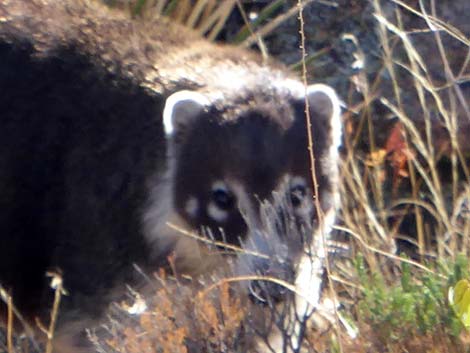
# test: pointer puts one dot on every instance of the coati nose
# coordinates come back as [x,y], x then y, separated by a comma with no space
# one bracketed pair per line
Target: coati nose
[270,290]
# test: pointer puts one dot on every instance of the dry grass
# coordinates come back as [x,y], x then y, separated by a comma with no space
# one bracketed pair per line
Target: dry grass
[410,189]
[181,316]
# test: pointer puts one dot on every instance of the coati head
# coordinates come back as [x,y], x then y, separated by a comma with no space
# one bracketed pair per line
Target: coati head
[239,170]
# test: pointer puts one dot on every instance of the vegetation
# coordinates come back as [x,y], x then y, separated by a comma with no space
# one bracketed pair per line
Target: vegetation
[402,238]
[411,189]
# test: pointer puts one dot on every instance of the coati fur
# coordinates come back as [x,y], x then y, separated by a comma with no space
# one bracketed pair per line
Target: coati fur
[112,128]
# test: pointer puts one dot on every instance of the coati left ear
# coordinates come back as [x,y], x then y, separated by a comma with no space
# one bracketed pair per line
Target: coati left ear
[181,108]
[325,110]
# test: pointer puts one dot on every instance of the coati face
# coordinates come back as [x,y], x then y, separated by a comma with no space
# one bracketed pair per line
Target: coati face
[239,171]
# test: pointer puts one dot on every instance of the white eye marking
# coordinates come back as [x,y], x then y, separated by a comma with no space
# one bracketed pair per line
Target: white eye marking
[192,206]
[216,213]
[219,185]
[298,181]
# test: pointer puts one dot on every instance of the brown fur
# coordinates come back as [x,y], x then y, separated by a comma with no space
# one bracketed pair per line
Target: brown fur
[90,175]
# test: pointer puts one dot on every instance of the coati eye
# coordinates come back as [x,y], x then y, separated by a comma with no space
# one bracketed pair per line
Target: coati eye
[298,191]
[223,198]
[222,201]
[297,194]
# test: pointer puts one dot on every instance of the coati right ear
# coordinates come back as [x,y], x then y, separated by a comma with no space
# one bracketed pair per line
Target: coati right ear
[182,108]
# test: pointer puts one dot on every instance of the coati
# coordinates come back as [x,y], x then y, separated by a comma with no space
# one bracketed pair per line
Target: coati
[112,128]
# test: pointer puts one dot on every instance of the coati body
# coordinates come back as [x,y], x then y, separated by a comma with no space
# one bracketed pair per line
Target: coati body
[111,128]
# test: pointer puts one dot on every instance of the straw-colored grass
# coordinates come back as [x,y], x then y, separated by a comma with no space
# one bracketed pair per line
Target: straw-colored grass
[412,189]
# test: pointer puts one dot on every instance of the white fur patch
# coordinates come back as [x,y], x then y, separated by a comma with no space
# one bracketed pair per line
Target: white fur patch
[192,206]
[219,185]
[308,280]
[171,105]
[216,213]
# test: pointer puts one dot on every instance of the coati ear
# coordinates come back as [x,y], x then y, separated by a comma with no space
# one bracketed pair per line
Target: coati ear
[182,108]
[324,109]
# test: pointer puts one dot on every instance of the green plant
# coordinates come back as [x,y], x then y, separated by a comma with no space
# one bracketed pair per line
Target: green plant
[413,303]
